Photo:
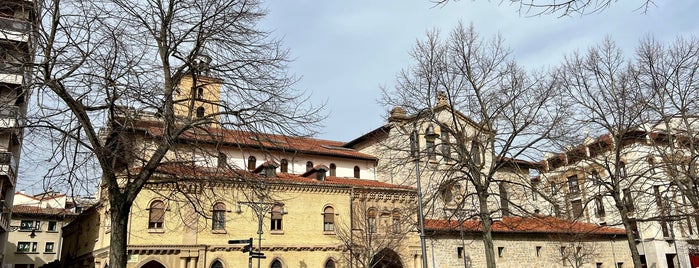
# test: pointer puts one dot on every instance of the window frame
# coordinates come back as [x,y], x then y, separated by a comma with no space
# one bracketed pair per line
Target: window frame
[218,216]
[276,218]
[52,247]
[329,219]
[152,209]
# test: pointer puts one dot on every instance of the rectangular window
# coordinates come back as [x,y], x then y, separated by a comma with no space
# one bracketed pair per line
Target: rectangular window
[661,208]
[23,246]
[460,252]
[504,200]
[598,265]
[49,247]
[26,225]
[219,220]
[35,246]
[619,265]
[501,250]
[277,213]
[573,184]
[628,200]
[577,208]
[538,251]
[599,206]
[446,146]
[52,226]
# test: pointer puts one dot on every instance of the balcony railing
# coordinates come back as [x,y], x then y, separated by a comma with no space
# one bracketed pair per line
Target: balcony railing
[9,116]
[16,25]
[7,166]
[11,67]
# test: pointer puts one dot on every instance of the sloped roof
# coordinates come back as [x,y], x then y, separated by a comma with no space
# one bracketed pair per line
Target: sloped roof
[32,210]
[262,141]
[533,225]
[223,173]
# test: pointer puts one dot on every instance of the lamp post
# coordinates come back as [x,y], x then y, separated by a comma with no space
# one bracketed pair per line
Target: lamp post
[260,209]
[415,153]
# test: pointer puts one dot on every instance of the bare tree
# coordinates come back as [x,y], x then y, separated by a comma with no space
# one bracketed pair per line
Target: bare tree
[564,7]
[488,113]
[376,231]
[601,85]
[670,74]
[155,58]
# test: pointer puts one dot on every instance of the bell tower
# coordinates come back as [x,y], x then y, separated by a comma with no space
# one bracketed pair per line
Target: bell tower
[198,97]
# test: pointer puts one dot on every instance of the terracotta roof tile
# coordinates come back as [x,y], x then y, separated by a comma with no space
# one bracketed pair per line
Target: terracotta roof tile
[548,225]
[266,141]
[40,211]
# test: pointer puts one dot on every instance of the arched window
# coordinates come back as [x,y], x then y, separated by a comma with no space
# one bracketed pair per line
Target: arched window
[219,217]
[277,214]
[333,169]
[156,215]
[429,143]
[200,93]
[446,146]
[329,219]
[200,112]
[651,165]
[222,160]
[330,264]
[356,172]
[276,264]
[371,220]
[251,163]
[476,152]
[217,264]
[309,165]
[284,166]
[396,221]
[622,170]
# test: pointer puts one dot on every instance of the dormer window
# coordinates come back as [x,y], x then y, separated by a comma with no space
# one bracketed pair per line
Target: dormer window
[356,172]
[284,166]
[252,163]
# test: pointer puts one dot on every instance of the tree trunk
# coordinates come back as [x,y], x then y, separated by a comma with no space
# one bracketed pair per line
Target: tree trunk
[119,214]
[486,221]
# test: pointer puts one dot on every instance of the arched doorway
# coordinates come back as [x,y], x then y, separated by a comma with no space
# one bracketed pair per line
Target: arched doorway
[386,258]
[153,264]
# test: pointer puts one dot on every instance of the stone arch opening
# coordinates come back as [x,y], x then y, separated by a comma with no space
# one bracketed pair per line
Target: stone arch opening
[386,258]
[153,264]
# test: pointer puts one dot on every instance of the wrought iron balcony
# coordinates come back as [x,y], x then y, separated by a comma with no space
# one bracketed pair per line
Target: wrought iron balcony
[8,164]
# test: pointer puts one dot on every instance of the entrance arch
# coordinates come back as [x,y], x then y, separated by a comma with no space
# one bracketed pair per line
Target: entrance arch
[153,264]
[386,258]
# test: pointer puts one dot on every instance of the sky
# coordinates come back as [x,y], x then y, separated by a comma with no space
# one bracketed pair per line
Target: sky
[345,51]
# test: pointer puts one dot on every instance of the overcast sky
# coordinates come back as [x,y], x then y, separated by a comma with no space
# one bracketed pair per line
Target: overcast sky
[345,50]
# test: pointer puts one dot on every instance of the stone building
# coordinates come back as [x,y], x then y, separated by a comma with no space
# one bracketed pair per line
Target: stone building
[313,203]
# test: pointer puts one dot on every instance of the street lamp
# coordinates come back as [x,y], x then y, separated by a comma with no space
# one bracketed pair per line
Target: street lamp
[430,136]
[260,208]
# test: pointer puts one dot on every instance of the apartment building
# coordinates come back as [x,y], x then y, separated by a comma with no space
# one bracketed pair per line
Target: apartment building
[645,175]
[16,20]
[37,221]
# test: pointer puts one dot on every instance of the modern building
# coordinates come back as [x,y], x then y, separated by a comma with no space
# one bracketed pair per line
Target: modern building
[16,20]
[36,224]
[647,172]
